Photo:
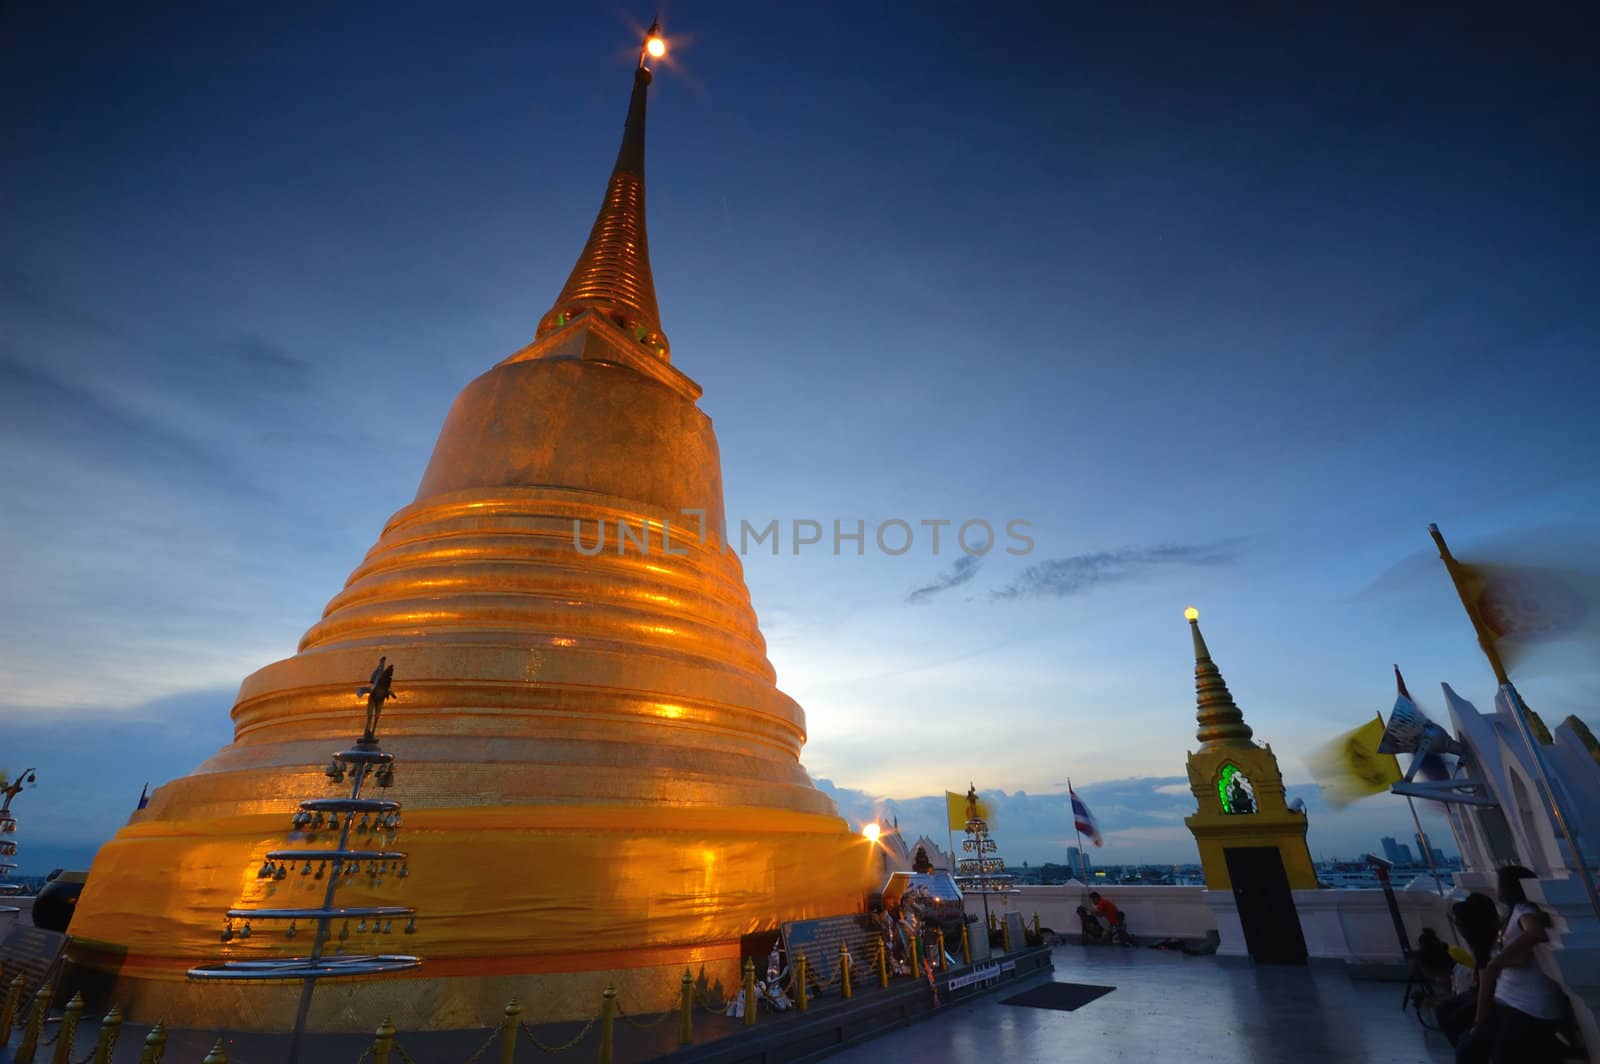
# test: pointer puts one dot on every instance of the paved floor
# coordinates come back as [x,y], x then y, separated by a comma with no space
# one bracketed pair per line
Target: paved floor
[1171,1007]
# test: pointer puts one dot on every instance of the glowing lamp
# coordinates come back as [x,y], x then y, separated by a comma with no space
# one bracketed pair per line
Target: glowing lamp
[655,46]
[1191,614]
[872,831]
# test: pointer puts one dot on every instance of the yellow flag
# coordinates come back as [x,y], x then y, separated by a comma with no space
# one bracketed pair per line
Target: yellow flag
[1350,767]
[962,807]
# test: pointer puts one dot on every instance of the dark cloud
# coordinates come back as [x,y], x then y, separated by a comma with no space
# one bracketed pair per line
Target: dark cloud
[1060,577]
[269,366]
[964,569]
[38,406]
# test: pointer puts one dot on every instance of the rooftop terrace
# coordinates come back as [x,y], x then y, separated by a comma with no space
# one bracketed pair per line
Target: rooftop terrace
[1169,1006]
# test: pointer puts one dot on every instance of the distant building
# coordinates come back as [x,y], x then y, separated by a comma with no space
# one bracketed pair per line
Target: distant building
[1397,852]
[1078,861]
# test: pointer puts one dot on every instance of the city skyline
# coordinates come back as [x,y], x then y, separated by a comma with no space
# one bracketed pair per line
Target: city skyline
[1223,341]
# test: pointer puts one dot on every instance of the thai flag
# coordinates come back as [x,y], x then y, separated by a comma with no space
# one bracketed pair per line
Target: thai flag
[1083,820]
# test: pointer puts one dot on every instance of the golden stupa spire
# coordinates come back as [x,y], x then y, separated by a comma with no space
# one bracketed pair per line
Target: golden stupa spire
[1220,719]
[612,277]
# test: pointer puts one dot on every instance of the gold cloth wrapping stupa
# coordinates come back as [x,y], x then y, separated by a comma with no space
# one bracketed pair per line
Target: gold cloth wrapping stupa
[601,780]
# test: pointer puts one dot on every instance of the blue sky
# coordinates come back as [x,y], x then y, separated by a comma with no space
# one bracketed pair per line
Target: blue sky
[1228,308]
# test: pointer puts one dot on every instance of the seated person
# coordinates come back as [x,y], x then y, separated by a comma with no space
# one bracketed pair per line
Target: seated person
[1113,917]
[1093,930]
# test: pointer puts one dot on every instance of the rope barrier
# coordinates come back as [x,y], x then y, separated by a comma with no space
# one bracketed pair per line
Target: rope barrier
[563,1047]
[404,1056]
[644,1025]
[493,1038]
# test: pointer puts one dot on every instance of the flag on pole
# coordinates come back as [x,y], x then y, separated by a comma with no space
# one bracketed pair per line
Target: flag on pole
[1083,820]
[960,809]
[1350,767]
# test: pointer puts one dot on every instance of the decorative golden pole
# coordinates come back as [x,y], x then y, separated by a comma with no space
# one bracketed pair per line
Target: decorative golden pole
[608,1013]
[749,991]
[916,954]
[30,1034]
[106,1043]
[844,970]
[801,980]
[939,941]
[883,963]
[8,1009]
[508,1031]
[686,1010]
[966,946]
[383,1041]
[68,1030]
[1547,792]
[155,1044]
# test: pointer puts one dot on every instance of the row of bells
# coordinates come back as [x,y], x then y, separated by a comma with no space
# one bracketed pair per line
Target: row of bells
[279,869]
[377,927]
[383,776]
[317,820]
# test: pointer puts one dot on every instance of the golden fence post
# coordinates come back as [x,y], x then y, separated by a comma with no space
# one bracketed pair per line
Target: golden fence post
[749,991]
[801,980]
[68,1030]
[30,1034]
[1005,937]
[608,1012]
[844,969]
[155,1044]
[686,1010]
[1036,925]
[383,1041]
[106,1043]
[883,963]
[966,946]
[939,938]
[994,923]
[8,1009]
[508,1031]
[218,1054]
[916,955]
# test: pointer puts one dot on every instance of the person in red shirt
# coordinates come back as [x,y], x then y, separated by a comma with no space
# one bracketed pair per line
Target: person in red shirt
[1113,917]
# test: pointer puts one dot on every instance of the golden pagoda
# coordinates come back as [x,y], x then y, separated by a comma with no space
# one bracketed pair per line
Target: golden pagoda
[1238,788]
[601,778]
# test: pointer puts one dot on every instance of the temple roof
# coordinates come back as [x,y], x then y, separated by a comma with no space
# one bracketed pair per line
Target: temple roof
[1221,721]
[612,276]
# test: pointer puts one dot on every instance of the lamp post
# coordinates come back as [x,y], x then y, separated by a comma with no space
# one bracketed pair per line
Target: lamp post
[8,823]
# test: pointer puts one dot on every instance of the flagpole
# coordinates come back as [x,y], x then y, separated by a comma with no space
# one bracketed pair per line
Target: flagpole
[1082,871]
[1422,844]
[1518,713]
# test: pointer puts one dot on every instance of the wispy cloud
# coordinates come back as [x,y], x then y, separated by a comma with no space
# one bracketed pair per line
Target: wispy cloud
[1060,577]
[965,568]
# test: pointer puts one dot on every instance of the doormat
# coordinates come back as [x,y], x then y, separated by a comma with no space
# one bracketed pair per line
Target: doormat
[1064,997]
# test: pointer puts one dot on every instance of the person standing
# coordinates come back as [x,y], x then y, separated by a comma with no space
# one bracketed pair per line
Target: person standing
[1520,1008]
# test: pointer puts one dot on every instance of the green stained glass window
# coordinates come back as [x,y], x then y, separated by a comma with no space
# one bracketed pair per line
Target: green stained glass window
[1235,791]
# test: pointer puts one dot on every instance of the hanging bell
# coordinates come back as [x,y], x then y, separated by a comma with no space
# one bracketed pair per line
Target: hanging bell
[405,870]
[283,870]
[265,870]
[306,871]
[321,865]
[344,932]
[388,927]
[411,926]
[364,829]
[292,931]
[244,932]
[227,931]
[361,927]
